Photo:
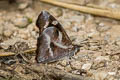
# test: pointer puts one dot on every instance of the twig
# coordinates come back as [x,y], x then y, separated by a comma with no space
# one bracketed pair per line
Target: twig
[12,53]
[6,54]
[99,12]
[98,7]
[56,74]
[30,50]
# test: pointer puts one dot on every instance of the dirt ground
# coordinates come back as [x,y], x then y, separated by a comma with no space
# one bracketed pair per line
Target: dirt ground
[99,38]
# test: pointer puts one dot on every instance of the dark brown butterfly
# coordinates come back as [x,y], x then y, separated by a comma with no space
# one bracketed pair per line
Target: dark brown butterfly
[53,43]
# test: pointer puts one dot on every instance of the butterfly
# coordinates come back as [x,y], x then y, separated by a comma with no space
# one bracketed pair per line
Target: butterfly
[53,42]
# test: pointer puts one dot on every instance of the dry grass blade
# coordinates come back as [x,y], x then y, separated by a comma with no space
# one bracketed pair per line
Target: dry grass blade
[99,12]
[6,54]
[12,53]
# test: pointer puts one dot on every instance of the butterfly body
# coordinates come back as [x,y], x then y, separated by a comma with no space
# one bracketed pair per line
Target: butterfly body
[53,43]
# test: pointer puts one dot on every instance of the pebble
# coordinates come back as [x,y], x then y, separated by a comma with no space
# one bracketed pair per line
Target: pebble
[68,68]
[66,24]
[117,41]
[33,30]
[32,43]
[115,57]
[75,29]
[109,77]
[100,75]
[102,27]
[114,6]
[4,73]
[76,39]
[90,19]
[30,15]
[34,34]
[7,43]
[77,19]
[76,65]
[1,29]
[94,48]
[57,12]
[63,63]
[102,58]
[94,33]
[9,29]
[60,67]
[30,27]
[21,22]
[18,69]
[24,34]
[98,65]
[100,61]
[112,73]
[97,54]
[75,72]
[86,66]
[22,6]
[8,33]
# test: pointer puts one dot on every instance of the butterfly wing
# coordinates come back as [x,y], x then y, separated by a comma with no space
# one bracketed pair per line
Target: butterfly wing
[45,20]
[51,48]
[53,43]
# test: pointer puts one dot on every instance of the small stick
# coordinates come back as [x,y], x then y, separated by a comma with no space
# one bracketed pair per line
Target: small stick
[54,73]
[99,12]
[6,54]
[30,50]
[98,7]
[12,53]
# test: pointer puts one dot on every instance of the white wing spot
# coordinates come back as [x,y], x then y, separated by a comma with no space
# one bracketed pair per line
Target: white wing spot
[48,43]
[60,45]
[55,22]
[60,36]
[46,24]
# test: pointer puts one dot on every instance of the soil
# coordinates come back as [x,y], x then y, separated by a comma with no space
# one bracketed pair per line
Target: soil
[99,38]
